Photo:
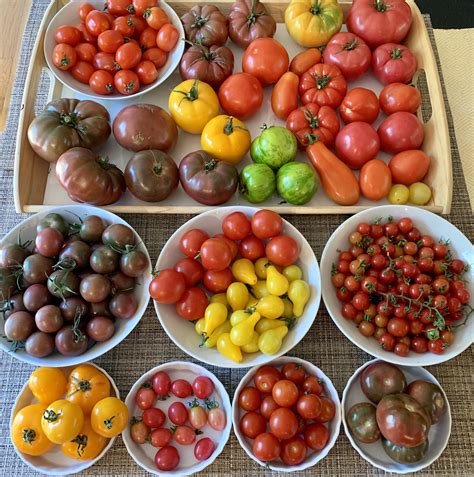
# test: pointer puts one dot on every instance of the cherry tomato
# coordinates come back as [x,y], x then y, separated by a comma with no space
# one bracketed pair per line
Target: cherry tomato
[167,37]
[316,436]
[359,104]
[437,346]
[119,7]
[218,282]
[67,34]
[236,226]
[252,248]
[105,61]
[84,10]
[147,38]
[82,71]
[156,17]
[87,37]
[294,372]
[168,287]
[328,409]
[128,55]
[181,388]
[285,393]
[146,72]
[250,399]
[64,56]
[265,378]
[397,97]
[156,56]
[191,270]
[204,448]
[282,250]
[161,437]
[234,248]
[145,397]
[154,417]
[309,406]
[252,424]
[126,82]
[387,342]
[167,458]
[86,52]
[140,6]
[266,224]
[97,22]
[202,387]
[266,447]
[401,349]
[215,255]
[293,451]
[197,416]
[161,384]
[139,24]
[191,242]
[312,385]
[177,413]
[109,41]
[283,423]
[398,327]
[192,304]
[267,407]
[184,435]
[124,25]
[101,82]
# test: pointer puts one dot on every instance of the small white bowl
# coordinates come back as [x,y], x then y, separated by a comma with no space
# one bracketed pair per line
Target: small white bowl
[427,223]
[374,453]
[27,231]
[184,335]
[312,457]
[55,462]
[144,454]
[68,15]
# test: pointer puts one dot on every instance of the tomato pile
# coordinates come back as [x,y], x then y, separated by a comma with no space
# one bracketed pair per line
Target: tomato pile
[401,287]
[401,415]
[285,414]
[256,298]
[194,408]
[75,412]
[118,49]
[67,292]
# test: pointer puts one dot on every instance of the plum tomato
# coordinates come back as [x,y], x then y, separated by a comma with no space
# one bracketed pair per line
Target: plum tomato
[197,415]
[181,388]
[184,435]
[282,250]
[217,419]
[266,224]
[168,286]
[192,304]
[202,387]
[236,226]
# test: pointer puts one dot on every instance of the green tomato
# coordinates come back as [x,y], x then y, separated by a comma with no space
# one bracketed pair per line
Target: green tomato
[274,147]
[398,194]
[420,193]
[257,182]
[405,455]
[296,183]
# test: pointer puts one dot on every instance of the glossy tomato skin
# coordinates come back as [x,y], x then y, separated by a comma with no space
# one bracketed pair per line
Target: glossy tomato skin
[265,378]
[392,63]
[167,458]
[405,455]
[409,166]
[380,379]
[218,282]
[266,447]
[191,269]
[396,97]
[316,436]
[250,399]
[359,104]
[285,95]
[215,254]
[430,396]
[191,242]
[266,224]
[192,304]
[282,250]
[375,180]
[401,131]
[82,71]
[236,226]
[252,424]
[362,422]
[168,287]
[293,451]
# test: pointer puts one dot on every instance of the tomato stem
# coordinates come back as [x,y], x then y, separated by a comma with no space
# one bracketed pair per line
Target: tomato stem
[229,126]
[81,441]
[108,422]
[199,22]
[396,54]
[28,435]
[68,119]
[51,416]
[351,45]
[253,16]
[321,81]
[380,6]
[315,9]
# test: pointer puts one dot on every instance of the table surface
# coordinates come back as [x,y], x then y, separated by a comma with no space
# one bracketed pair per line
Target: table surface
[148,345]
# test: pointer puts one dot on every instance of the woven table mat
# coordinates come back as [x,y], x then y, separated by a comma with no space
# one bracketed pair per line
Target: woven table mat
[149,346]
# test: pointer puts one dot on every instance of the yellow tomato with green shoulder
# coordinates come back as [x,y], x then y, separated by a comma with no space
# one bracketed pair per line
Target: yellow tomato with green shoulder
[312,23]
[192,105]
[62,420]
[109,417]
[47,384]
[86,445]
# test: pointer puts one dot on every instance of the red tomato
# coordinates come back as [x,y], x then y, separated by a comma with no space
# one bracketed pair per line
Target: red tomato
[316,436]
[154,417]
[101,82]
[145,397]
[86,35]
[141,6]
[86,52]
[128,56]
[204,449]
[266,59]
[233,247]
[97,22]
[380,22]
[168,286]
[266,224]
[181,388]
[357,143]
[360,104]
[293,372]
[148,38]
[215,255]
[304,60]
[64,56]
[177,413]
[217,282]
[250,399]
[192,304]
[161,437]
[265,378]
[67,34]
[82,71]
[167,458]
[285,393]
[156,17]
[283,423]
[84,10]
[315,120]
[124,25]
[109,41]
[309,406]
[161,383]
[349,53]
[252,424]
[324,85]
[397,97]
[236,226]
[293,451]
[282,250]
[119,7]
[106,62]
[191,269]
[437,346]
[139,24]
[400,132]
[408,167]
[375,180]
[267,407]
[184,435]
[252,248]
[312,385]
[266,447]
[190,243]
[203,387]
[167,37]
[392,63]
[241,95]
[328,409]
[146,72]
[285,95]
[156,56]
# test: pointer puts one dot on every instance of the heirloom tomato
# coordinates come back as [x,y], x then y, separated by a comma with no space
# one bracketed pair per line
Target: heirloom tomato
[401,131]
[241,95]
[393,63]
[109,417]
[296,183]
[430,396]
[359,104]
[86,445]
[61,421]
[408,167]
[274,147]
[206,25]
[362,422]
[405,455]
[380,379]
[47,384]
[375,180]
[285,95]
[396,97]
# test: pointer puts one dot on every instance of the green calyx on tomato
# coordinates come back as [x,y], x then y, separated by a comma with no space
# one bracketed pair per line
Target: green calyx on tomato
[68,119]
[351,45]
[191,95]
[229,126]
[313,121]
[253,15]
[396,54]
[321,81]
[380,6]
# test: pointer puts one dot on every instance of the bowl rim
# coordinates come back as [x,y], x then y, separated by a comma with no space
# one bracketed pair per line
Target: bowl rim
[309,462]
[416,467]
[226,404]
[249,210]
[88,355]
[425,359]
[175,20]
[83,465]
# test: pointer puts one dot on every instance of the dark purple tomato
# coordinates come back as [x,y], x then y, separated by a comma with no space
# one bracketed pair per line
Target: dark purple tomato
[123,305]
[40,344]
[121,282]
[379,379]
[71,341]
[74,307]
[49,319]
[12,254]
[134,263]
[37,268]
[12,304]
[76,253]
[104,260]
[118,236]
[100,309]
[91,228]
[63,284]
[95,288]
[363,423]
[430,396]
[19,326]
[49,242]
[100,328]
[36,296]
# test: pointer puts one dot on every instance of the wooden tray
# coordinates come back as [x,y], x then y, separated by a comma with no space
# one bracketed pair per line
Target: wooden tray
[36,188]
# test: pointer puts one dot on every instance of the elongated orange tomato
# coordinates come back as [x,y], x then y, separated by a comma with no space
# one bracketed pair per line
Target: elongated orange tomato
[375,179]
[285,95]
[338,181]
[303,61]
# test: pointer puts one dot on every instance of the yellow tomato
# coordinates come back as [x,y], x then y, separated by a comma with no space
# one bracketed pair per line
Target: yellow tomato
[193,104]
[109,417]
[261,267]
[86,445]
[62,421]
[199,326]
[260,289]
[244,271]
[420,193]
[299,293]
[270,306]
[47,384]
[27,434]
[211,341]
[86,386]
[219,298]
[292,272]
[270,341]
[252,345]
[237,295]
[266,324]
[229,349]
[214,316]
[277,283]
[226,138]
[399,194]
[242,333]
[288,311]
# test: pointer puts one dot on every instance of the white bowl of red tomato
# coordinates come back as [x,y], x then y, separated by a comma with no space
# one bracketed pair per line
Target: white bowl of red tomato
[286,414]
[398,282]
[113,53]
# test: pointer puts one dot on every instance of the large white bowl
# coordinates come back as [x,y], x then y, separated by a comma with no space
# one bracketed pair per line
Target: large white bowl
[144,454]
[312,457]
[68,15]
[184,335]
[427,223]
[374,453]
[55,462]
[27,231]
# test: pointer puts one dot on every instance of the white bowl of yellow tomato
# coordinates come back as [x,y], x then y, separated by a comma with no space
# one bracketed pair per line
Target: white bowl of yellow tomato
[65,419]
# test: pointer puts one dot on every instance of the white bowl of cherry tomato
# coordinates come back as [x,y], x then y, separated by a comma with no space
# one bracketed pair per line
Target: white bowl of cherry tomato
[398,282]
[180,419]
[236,287]
[286,414]
[107,54]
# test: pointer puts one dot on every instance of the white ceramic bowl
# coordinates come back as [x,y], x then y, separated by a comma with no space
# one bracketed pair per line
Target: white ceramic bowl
[428,223]
[312,457]
[184,335]
[374,453]
[144,454]
[27,230]
[68,15]
[55,462]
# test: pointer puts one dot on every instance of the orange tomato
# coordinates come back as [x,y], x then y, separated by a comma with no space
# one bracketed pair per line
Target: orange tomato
[86,52]
[82,71]
[375,180]
[64,56]
[303,61]
[285,95]
[408,167]
[167,37]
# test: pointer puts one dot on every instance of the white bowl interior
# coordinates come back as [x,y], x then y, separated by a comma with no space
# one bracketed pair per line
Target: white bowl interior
[144,454]
[312,457]
[428,223]
[55,462]
[184,335]
[374,453]
[68,16]
[27,231]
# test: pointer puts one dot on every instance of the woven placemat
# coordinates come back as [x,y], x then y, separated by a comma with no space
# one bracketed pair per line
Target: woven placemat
[149,346]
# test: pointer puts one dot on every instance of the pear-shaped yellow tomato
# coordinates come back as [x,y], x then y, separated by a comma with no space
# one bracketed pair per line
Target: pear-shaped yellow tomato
[270,341]
[292,272]
[288,310]
[242,333]
[237,295]
[266,324]
[47,384]
[252,300]
[62,421]
[239,316]
[109,417]
[86,445]
[299,293]
[226,138]
[261,267]
[228,349]
[270,306]
[199,326]
[252,345]
[192,105]
[277,283]
[260,289]
[214,316]
[86,386]
[219,298]
[244,271]
[211,341]
[27,433]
